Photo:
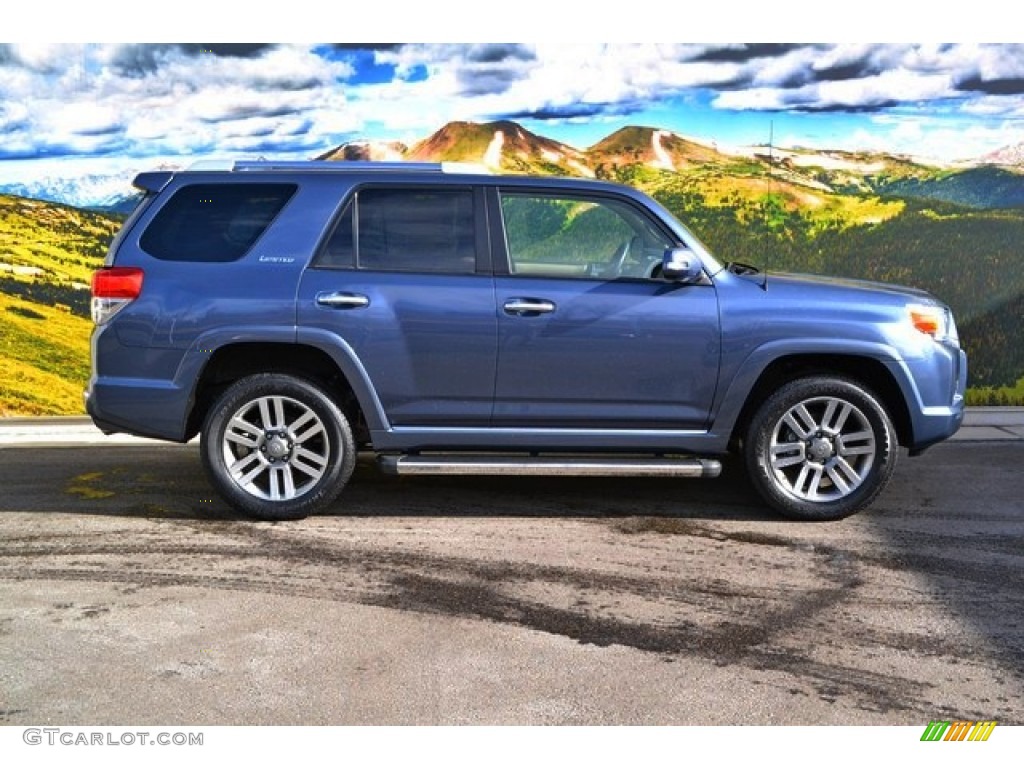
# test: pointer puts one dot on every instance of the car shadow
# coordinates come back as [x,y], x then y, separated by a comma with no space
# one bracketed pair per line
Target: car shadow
[168,481]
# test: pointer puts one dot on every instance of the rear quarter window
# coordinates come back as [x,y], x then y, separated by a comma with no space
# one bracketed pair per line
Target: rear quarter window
[214,222]
[392,229]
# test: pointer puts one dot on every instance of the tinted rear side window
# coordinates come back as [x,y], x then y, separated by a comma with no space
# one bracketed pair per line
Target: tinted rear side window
[214,222]
[405,230]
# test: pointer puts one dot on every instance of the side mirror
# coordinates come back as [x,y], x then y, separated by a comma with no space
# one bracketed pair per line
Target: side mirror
[681,265]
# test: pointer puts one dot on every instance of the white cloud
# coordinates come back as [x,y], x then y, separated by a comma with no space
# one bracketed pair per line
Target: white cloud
[934,140]
[153,99]
[293,99]
[78,118]
[1008,107]
[893,86]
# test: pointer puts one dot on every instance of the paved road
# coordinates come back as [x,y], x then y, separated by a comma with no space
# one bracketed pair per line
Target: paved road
[128,594]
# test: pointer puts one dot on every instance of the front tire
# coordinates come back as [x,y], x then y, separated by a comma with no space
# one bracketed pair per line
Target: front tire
[277,447]
[820,448]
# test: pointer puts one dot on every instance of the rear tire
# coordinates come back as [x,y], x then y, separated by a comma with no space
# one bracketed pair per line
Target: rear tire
[277,447]
[820,448]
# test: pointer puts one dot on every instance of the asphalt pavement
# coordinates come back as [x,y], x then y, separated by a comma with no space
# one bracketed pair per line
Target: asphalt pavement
[129,593]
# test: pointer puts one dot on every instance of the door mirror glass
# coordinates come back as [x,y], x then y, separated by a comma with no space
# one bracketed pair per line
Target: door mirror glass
[681,265]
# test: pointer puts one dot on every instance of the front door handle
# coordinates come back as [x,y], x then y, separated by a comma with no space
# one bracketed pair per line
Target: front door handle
[527,307]
[342,300]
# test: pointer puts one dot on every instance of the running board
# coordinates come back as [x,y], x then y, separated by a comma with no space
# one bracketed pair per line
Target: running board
[548,465]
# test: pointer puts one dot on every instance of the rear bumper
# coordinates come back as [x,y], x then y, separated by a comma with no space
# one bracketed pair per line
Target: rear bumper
[138,407]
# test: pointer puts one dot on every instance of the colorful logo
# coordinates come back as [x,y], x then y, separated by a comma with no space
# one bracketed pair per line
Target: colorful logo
[961,730]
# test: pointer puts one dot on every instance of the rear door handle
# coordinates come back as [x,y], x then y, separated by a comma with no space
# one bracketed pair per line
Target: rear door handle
[527,307]
[342,300]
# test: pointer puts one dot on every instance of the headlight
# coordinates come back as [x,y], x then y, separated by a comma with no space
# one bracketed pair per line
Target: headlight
[935,320]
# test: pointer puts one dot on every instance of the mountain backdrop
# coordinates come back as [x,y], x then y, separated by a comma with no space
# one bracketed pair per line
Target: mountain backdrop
[956,230]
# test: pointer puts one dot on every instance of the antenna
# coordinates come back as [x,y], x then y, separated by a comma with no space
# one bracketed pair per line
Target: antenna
[770,202]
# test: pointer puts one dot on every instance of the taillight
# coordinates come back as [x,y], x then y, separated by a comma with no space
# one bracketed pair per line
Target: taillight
[114,288]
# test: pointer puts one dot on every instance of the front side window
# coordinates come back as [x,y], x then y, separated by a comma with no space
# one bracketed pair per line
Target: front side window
[578,236]
[214,222]
[405,230]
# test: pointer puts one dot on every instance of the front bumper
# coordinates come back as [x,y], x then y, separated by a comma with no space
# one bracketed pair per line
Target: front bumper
[940,384]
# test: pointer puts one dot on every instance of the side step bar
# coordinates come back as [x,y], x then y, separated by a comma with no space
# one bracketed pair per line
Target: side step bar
[454,464]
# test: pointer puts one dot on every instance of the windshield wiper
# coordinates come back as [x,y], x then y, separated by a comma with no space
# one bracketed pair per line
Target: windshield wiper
[747,270]
[739,268]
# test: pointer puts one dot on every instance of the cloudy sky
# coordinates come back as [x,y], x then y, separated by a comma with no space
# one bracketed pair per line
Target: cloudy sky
[117,105]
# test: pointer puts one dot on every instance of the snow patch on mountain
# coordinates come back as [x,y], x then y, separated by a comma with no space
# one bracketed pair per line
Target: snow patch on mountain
[90,191]
[83,182]
[662,159]
[1013,155]
[492,157]
[581,169]
[828,161]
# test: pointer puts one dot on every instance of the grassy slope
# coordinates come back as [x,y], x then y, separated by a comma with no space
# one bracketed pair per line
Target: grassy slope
[66,243]
[46,358]
[44,328]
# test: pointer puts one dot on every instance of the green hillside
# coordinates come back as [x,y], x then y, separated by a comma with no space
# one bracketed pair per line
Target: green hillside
[993,339]
[984,187]
[47,254]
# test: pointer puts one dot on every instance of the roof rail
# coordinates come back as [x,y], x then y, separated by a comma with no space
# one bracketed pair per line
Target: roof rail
[333,165]
[378,166]
[211,164]
[458,166]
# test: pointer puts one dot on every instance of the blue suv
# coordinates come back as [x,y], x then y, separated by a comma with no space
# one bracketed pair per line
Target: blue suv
[456,322]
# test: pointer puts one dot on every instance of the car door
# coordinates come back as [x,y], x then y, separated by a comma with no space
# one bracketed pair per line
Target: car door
[404,281]
[588,336]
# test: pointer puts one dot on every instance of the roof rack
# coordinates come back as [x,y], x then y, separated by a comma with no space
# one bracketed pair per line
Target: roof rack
[210,164]
[329,165]
[337,166]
